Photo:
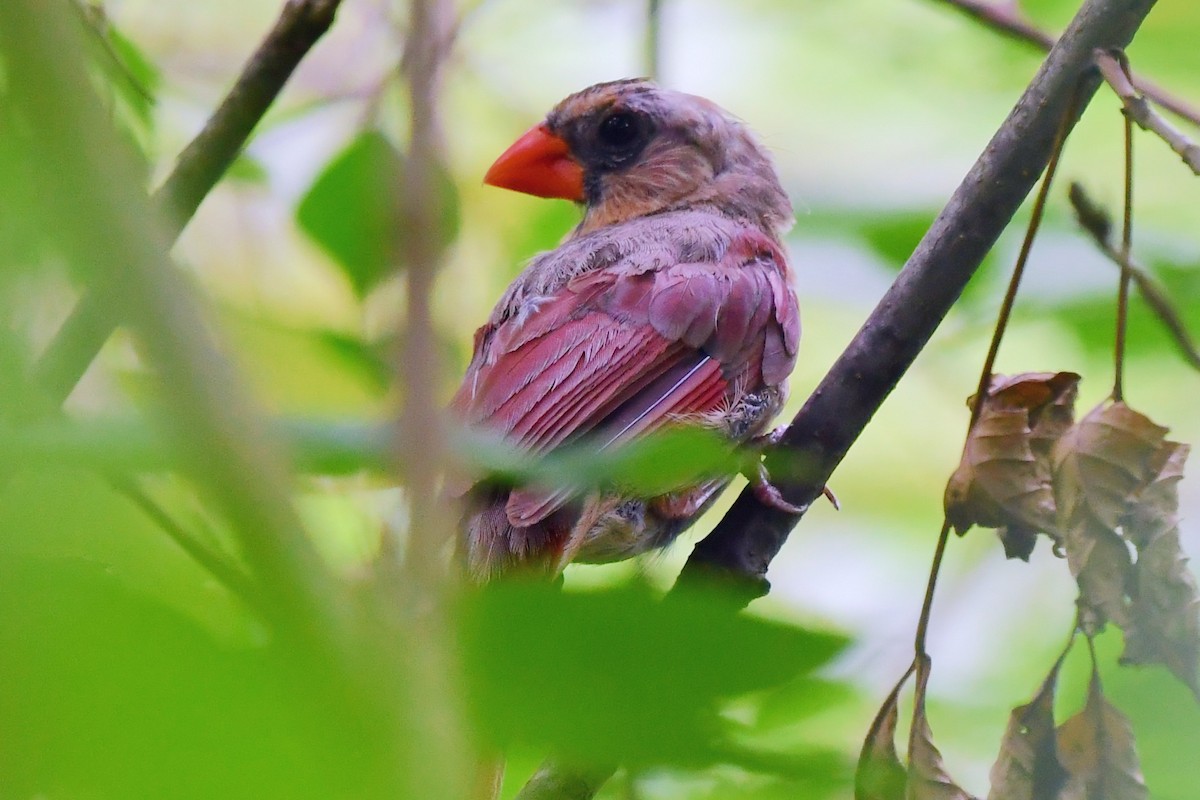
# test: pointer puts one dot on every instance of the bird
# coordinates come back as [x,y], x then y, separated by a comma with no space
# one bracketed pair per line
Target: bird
[670,304]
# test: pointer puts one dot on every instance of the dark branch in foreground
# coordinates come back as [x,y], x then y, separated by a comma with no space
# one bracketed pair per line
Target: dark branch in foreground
[197,170]
[744,542]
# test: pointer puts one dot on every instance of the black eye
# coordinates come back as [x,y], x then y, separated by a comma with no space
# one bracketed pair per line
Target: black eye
[620,130]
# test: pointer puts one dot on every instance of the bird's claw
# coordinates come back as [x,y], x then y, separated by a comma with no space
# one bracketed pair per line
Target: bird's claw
[832,498]
[768,493]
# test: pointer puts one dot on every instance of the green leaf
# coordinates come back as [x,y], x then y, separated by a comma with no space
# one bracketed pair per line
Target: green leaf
[139,79]
[247,169]
[352,210]
[619,675]
[108,694]
[895,235]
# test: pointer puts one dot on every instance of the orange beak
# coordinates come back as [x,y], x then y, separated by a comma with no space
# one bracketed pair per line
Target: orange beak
[540,164]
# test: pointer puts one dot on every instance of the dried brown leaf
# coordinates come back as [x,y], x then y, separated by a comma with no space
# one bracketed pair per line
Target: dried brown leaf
[1097,748]
[1103,461]
[1165,624]
[1003,479]
[880,775]
[927,776]
[1028,767]
[1101,465]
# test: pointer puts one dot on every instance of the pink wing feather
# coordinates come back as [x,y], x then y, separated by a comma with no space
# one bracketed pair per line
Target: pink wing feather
[620,350]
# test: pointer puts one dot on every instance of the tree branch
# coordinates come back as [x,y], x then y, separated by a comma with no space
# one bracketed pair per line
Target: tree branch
[1006,17]
[196,172]
[744,542]
[1096,221]
[1117,76]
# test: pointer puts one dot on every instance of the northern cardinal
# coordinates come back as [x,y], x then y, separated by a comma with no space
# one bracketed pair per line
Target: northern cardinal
[669,304]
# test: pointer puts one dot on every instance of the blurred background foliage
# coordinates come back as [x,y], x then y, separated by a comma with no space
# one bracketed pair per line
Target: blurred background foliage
[129,670]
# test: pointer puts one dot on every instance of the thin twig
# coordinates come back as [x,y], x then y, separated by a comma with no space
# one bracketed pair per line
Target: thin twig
[434,748]
[747,539]
[211,419]
[1115,70]
[99,29]
[1006,17]
[198,168]
[420,448]
[231,577]
[654,39]
[1118,391]
[1093,219]
[935,568]
[1070,113]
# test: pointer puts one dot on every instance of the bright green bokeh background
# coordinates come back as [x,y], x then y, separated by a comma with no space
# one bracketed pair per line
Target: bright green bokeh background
[874,111]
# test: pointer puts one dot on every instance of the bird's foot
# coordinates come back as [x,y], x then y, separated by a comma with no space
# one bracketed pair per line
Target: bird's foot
[768,493]
[760,480]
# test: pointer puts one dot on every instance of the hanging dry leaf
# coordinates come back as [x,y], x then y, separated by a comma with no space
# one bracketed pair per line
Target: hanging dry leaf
[927,776]
[880,775]
[1165,623]
[1103,461]
[1003,480]
[1028,767]
[1097,748]
[1101,464]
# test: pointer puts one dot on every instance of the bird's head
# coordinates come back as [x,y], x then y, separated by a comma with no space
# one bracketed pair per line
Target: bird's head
[630,148]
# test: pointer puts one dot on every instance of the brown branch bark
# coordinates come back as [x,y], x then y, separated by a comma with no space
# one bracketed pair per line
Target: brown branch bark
[744,542]
[196,172]
[1006,17]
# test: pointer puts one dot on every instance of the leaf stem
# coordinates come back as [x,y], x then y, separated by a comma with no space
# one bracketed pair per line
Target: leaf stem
[927,605]
[1035,221]
[1118,391]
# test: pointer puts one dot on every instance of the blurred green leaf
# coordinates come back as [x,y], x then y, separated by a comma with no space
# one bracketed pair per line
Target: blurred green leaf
[657,463]
[619,674]
[799,699]
[893,236]
[106,694]
[247,169]
[352,209]
[307,371]
[1091,318]
[542,229]
[133,74]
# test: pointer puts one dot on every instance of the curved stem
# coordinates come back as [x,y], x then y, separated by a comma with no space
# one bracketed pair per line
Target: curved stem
[1014,283]
[927,606]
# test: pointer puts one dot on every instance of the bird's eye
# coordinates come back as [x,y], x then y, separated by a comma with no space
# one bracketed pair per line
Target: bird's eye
[619,130]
